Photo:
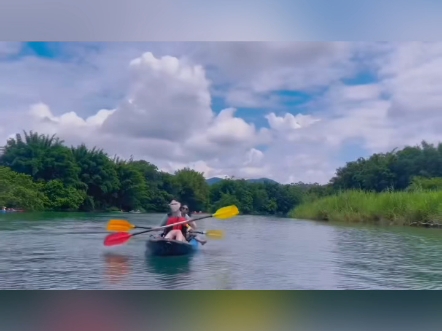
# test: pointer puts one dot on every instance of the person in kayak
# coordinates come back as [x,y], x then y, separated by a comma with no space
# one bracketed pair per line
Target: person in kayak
[176,232]
[192,226]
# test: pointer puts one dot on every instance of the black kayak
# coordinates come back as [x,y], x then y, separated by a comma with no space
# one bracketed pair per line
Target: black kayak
[165,247]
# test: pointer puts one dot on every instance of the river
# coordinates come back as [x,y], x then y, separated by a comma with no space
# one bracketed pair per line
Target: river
[65,251]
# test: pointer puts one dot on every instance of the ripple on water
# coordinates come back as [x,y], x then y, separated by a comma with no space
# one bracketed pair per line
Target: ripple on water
[257,253]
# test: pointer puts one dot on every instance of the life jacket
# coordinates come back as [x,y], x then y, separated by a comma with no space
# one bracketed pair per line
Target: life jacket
[176,219]
[182,227]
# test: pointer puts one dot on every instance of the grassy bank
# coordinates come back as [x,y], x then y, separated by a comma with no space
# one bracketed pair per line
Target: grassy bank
[419,208]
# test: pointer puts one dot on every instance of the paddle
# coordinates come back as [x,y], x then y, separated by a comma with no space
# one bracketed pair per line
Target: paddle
[120,238]
[125,226]
[212,234]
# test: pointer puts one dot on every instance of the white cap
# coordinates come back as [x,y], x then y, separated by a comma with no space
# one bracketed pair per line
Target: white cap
[174,206]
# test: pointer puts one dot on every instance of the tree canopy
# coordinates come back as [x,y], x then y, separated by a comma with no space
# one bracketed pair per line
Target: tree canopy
[40,172]
[88,179]
[394,170]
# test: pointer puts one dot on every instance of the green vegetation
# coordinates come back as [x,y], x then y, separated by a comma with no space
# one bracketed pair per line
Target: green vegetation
[401,208]
[19,191]
[399,187]
[40,172]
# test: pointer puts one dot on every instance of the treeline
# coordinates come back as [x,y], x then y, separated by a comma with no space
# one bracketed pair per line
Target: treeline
[39,172]
[395,170]
[411,168]
[399,187]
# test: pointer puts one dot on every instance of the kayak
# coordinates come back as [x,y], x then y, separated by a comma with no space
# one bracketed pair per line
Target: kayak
[164,247]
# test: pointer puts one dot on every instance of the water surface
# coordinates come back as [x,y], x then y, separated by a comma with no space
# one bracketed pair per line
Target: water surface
[65,251]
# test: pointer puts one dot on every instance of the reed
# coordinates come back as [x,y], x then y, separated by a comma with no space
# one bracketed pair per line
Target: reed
[417,207]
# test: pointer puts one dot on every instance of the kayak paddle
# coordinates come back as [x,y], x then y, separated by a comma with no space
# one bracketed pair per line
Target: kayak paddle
[120,238]
[125,226]
[212,234]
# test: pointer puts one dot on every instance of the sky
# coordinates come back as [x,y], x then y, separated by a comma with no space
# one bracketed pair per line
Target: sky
[289,111]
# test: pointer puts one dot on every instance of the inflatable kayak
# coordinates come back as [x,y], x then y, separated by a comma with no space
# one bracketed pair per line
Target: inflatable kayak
[164,247]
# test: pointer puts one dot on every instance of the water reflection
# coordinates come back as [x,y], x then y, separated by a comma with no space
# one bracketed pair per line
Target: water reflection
[117,267]
[173,272]
[168,265]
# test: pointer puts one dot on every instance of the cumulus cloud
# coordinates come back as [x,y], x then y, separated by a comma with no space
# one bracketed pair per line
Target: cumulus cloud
[254,69]
[156,102]
[167,99]
[166,117]
[42,112]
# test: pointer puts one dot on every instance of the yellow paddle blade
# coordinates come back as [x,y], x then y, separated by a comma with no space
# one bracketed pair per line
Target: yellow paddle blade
[119,226]
[215,234]
[226,212]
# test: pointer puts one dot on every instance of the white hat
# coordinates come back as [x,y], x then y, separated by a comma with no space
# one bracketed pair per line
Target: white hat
[174,206]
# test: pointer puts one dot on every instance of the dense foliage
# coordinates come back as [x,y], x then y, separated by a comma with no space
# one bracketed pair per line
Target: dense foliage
[422,208]
[41,172]
[401,187]
[394,170]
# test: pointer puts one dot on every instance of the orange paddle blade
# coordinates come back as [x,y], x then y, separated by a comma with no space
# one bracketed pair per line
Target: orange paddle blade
[119,226]
[118,238]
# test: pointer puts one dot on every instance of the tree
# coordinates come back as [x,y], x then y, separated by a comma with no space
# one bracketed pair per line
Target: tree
[192,189]
[43,157]
[19,191]
[98,174]
[60,197]
[157,196]
[132,191]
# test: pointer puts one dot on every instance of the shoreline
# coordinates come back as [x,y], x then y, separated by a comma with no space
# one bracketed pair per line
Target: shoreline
[413,209]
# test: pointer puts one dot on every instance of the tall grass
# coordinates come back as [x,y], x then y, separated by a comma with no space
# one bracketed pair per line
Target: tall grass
[401,208]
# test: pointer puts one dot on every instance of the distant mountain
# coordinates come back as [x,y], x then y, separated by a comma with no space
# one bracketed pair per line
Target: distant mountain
[215,180]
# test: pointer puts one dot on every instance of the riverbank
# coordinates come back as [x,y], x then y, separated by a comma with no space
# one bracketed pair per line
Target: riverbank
[419,208]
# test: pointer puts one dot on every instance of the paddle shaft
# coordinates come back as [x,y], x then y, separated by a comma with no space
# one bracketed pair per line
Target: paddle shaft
[143,227]
[199,232]
[172,225]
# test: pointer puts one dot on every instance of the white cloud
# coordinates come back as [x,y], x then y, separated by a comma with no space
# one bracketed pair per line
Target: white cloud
[289,122]
[166,117]
[256,68]
[68,120]
[158,105]
[9,48]
[167,99]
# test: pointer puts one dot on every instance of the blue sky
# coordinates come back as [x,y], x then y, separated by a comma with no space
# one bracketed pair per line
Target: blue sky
[314,106]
